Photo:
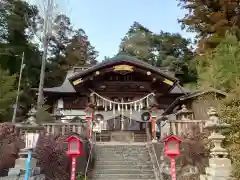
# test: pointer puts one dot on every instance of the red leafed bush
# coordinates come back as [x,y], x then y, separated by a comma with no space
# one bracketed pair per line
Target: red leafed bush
[10,143]
[52,159]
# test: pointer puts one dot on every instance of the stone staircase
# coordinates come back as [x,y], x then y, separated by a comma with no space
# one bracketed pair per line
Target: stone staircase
[123,161]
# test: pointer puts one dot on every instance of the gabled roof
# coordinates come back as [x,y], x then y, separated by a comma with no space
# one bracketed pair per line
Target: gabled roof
[124,58]
[202,92]
[193,94]
[67,87]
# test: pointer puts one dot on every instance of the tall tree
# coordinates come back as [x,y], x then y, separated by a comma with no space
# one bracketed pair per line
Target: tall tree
[137,42]
[68,47]
[16,35]
[210,20]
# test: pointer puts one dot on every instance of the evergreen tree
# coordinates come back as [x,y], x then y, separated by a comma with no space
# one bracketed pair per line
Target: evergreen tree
[137,42]
[7,95]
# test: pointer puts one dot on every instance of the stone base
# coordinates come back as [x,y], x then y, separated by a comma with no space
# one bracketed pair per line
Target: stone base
[220,169]
[214,178]
[122,136]
[154,141]
[21,163]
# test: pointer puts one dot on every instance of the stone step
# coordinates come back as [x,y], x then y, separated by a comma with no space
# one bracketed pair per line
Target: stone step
[119,145]
[124,176]
[127,162]
[129,158]
[127,153]
[123,166]
[117,151]
[125,171]
[122,152]
[122,149]
[119,179]
[123,157]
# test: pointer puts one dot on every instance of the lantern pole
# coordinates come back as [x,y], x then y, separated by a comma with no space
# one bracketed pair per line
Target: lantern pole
[73,170]
[28,163]
[173,168]
[30,144]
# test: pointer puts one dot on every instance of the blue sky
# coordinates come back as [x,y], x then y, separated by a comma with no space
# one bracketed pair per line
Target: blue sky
[107,21]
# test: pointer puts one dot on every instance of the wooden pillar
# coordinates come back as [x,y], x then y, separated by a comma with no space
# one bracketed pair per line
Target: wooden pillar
[90,115]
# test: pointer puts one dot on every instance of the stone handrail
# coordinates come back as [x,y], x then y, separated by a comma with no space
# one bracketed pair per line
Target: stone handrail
[153,156]
[63,128]
[182,127]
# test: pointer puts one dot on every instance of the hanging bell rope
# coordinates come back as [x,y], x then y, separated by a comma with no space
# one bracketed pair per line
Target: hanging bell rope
[123,103]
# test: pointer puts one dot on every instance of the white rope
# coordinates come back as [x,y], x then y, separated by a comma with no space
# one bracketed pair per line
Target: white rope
[123,103]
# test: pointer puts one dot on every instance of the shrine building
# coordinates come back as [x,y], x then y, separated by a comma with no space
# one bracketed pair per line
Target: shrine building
[121,91]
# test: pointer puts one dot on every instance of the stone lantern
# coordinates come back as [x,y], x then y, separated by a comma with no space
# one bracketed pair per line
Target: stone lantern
[219,165]
[184,113]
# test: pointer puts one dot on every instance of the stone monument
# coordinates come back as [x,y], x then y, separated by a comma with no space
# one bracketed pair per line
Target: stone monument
[219,164]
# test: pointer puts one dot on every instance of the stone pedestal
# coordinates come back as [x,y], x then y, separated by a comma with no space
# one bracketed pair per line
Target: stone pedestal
[20,165]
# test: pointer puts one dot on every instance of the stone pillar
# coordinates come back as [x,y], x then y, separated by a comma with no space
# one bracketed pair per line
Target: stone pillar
[219,165]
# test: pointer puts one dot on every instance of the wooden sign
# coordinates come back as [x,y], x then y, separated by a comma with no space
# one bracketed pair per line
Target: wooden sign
[78,81]
[123,67]
[167,81]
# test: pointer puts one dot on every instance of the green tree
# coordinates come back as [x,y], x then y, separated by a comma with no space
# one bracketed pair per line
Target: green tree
[80,51]
[168,50]
[7,94]
[175,53]
[220,68]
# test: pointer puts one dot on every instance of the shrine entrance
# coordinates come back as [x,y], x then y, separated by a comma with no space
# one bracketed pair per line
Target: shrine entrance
[122,128]
[122,123]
